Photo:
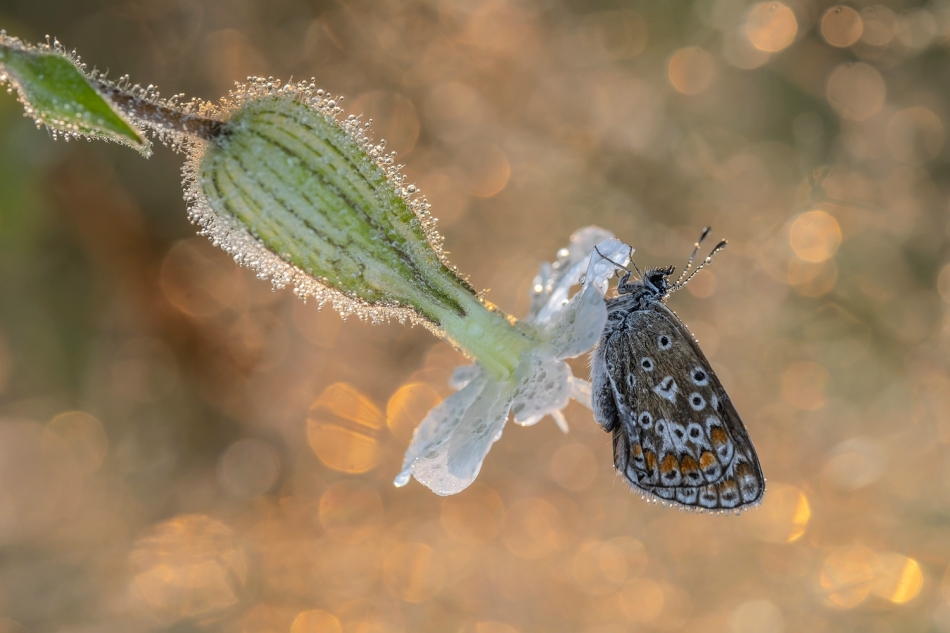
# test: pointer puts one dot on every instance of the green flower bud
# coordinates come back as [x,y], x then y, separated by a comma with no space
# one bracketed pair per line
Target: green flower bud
[308,200]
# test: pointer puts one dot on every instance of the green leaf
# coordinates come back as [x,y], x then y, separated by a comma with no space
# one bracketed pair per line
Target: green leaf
[57,93]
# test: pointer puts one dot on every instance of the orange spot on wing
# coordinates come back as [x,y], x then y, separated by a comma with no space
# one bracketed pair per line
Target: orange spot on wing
[688,464]
[670,463]
[718,436]
[650,458]
[707,460]
[743,470]
[728,486]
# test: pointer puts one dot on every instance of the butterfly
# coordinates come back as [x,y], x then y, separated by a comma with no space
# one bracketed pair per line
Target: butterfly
[677,437]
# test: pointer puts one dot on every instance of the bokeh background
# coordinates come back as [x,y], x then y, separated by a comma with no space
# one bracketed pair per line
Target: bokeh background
[182,449]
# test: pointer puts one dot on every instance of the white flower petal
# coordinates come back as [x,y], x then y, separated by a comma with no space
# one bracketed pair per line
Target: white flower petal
[544,386]
[439,424]
[556,298]
[541,287]
[468,446]
[584,240]
[451,443]
[553,284]
[579,326]
[580,392]
[463,375]
[602,266]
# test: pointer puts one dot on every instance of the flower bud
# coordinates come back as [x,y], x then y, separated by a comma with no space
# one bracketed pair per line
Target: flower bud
[307,200]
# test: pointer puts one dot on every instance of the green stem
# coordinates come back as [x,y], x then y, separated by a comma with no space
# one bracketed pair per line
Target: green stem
[158,115]
[486,335]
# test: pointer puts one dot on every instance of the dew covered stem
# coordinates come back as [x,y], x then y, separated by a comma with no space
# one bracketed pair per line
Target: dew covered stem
[159,115]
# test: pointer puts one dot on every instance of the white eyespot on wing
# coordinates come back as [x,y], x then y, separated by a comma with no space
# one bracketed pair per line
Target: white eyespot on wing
[664,341]
[678,437]
[667,389]
[695,434]
[645,420]
[699,376]
[697,401]
[647,363]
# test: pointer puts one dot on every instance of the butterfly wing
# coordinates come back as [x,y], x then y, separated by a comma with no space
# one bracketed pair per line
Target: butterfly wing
[677,437]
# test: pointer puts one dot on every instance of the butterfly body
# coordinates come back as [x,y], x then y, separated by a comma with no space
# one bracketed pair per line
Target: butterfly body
[677,437]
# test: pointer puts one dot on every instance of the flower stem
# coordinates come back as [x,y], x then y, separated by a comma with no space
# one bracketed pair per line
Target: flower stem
[486,335]
[159,115]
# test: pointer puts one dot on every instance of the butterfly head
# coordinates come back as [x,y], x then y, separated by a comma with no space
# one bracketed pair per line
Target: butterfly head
[656,280]
[655,284]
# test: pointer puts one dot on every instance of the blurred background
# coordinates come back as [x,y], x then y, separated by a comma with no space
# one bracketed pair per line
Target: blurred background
[182,449]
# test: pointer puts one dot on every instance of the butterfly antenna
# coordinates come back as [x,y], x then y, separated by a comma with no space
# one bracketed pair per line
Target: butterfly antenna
[693,256]
[721,245]
[630,256]
[635,267]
